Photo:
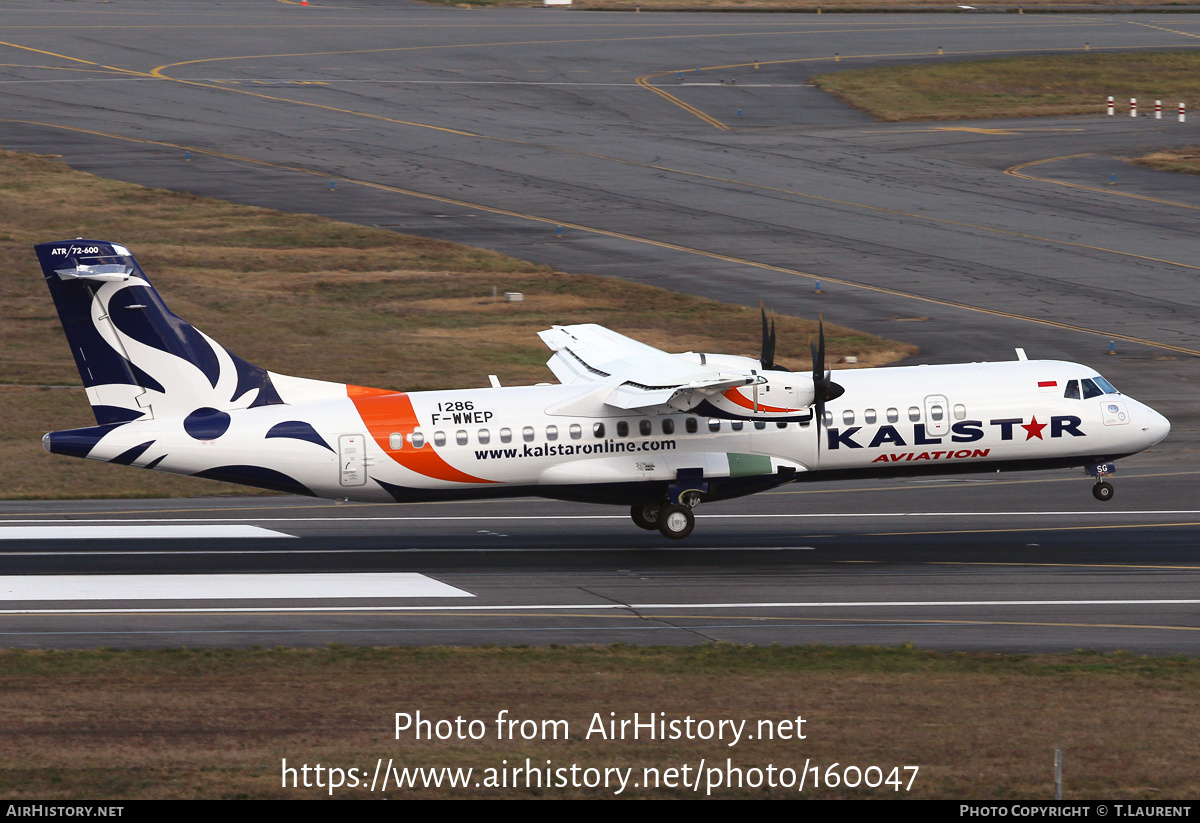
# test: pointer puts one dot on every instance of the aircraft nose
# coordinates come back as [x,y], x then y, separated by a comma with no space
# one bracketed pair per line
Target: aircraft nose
[1156,427]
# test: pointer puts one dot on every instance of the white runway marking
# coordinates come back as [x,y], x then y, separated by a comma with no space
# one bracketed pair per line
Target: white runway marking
[575,607]
[133,530]
[221,586]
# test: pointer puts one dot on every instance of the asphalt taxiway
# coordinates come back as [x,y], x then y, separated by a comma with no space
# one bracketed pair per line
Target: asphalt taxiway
[687,151]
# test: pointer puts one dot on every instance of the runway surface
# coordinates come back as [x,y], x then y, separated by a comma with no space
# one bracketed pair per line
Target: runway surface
[496,127]
[1014,562]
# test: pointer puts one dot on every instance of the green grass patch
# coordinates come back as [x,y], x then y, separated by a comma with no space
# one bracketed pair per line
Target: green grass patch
[311,297]
[1018,86]
[216,724]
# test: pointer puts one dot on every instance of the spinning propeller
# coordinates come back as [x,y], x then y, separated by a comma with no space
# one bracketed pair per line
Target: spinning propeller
[824,389]
[768,342]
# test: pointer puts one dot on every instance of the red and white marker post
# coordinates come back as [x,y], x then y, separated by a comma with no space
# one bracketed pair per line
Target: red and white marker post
[1133,107]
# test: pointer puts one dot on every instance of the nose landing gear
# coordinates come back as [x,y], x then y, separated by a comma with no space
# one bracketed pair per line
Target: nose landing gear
[1102,490]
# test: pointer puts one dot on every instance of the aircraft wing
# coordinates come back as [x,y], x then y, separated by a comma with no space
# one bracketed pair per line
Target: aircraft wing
[641,375]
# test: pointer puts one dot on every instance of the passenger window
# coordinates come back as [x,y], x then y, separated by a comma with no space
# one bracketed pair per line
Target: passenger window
[552,432]
[644,428]
[598,429]
[848,418]
[828,418]
[937,413]
[1090,389]
[1072,392]
[691,425]
[460,437]
[396,441]
[668,426]
[781,424]
[914,414]
[576,431]
[417,439]
[760,424]
[527,434]
[622,428]
[736,425]
[869,416]
[506,435]
[439,438]
[960,411]
[714,425]
[893,415]
[485,436]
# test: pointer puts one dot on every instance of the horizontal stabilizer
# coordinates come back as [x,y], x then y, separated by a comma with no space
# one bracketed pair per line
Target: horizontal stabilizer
[101,273]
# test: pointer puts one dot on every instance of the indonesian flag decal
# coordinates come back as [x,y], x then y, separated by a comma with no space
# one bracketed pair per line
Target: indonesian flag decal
[1047,385]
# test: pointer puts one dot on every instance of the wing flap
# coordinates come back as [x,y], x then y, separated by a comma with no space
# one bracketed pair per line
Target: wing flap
[641,375]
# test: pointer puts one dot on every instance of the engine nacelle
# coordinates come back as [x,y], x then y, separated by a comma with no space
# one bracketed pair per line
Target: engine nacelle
[774,395]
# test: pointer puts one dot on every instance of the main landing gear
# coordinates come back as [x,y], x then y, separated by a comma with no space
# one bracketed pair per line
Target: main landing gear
[673,517]
[673,520]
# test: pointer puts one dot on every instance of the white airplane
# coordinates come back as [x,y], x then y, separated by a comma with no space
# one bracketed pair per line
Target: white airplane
[628,424]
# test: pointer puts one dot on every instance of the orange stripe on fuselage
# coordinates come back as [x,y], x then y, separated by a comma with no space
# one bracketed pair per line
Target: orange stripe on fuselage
[387,412]
[737,397]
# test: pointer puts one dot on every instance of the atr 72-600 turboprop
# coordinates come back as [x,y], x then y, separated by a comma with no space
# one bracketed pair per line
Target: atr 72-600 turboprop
[627,424]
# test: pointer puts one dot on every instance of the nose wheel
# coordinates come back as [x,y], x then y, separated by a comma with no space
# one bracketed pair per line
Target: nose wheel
[1103,491]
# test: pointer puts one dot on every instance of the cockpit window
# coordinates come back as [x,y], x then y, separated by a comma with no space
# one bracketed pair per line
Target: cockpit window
[1104,384]
[1090,389]
[1072,392]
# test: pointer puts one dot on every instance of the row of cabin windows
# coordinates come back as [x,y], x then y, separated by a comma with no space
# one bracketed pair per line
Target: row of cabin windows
[691,425]
[937,413]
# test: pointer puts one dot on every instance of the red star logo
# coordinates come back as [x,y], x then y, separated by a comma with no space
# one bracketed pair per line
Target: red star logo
[1033,429]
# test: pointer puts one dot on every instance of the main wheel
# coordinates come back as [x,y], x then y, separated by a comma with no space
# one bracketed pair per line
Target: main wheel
[1102,491]
[645,517]
[676,522]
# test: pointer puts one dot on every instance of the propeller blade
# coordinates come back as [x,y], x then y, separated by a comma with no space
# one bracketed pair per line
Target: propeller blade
[823,386]
[818,377]
[824,389]
[768,340]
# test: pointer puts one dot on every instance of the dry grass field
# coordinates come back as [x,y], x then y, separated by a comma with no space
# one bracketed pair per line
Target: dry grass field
[218,724]
[303,295]
[1018,86]
[812,6]
[1186,161]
